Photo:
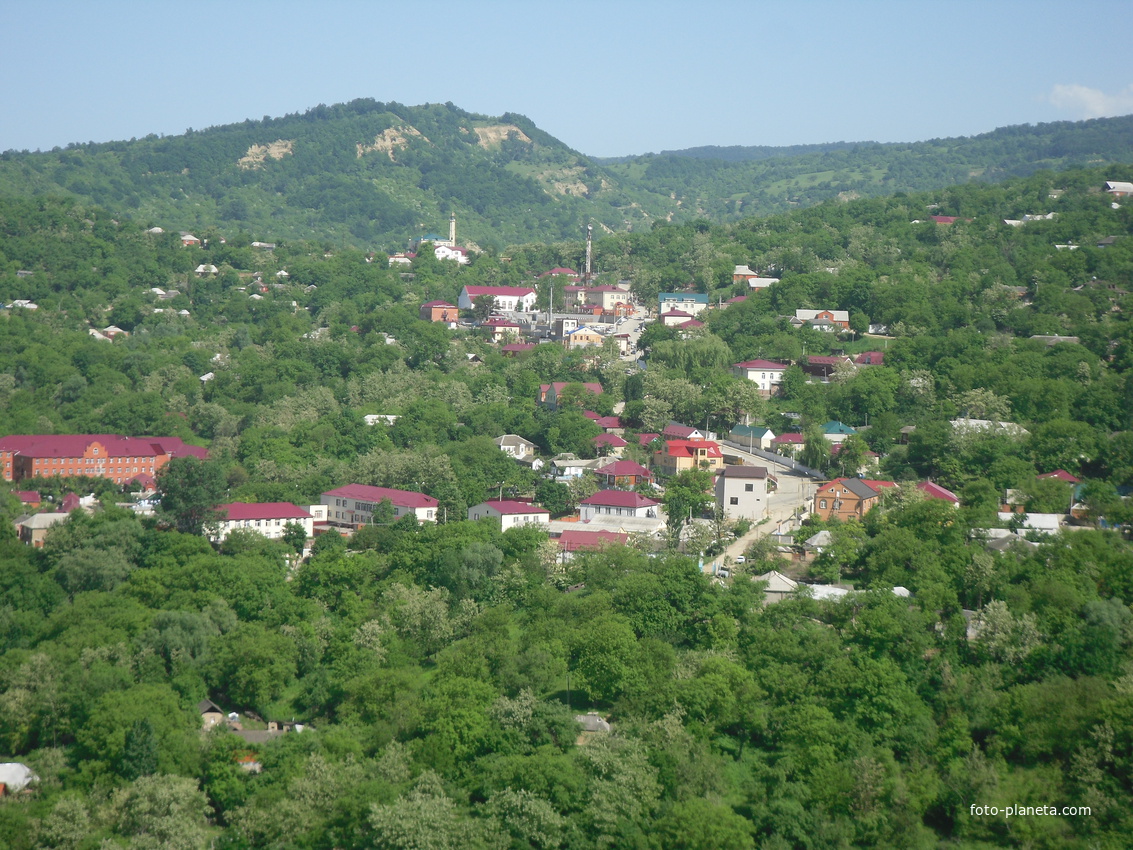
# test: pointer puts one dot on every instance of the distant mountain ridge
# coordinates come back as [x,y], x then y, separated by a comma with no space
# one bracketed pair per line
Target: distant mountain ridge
[377,174]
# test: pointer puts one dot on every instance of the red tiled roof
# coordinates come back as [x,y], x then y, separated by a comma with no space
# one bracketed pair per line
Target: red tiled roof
[677,431]
[517,291]
[827,360]
[74,445]
[691,323]
[678,313]
[612,440]
[624,467]
[572,540]
[688,448]
[27,496]
[262,510]
[789,437]
[769,365]
[593,386]
[400,498]
[1061,475]
[619,499]
[439,304]
[646,439]
[935,491]
[870,358]
[144,479]
[518,346]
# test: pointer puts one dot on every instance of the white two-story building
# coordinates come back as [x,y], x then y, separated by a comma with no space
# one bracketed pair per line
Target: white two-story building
[354,504]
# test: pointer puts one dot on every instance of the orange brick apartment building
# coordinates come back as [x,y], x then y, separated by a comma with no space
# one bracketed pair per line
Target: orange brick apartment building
[121,459]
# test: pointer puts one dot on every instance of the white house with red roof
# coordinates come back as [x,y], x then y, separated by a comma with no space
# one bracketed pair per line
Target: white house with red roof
[677,431]
[354,504]
[511,298]
[268,518]
[510,513]
[765,374]
[451,252]
[674,318]
[622,503]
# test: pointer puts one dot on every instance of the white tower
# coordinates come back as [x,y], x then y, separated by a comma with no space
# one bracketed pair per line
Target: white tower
[452,230]
[589,234]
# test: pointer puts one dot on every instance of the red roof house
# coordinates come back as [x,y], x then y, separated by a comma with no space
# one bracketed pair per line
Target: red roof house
[623,473]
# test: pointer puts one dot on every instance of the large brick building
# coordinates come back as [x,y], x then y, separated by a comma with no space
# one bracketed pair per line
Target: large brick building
[121,459]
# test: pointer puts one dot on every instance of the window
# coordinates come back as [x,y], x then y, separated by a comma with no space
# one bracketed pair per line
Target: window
[749,488]
[734,500]
[822,504]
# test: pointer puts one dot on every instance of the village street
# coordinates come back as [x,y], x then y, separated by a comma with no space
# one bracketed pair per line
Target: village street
[792,497]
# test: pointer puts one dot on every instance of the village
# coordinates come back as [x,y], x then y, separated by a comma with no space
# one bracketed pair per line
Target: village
[759,487]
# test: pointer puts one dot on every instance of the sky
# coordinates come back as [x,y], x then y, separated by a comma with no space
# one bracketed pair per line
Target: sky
[610,78]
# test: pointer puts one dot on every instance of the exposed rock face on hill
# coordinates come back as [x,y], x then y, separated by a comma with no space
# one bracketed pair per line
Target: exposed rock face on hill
[257,154]
[507,181]
[492,137]
[395,138]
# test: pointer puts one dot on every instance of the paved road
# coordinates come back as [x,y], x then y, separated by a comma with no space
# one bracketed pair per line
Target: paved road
[795,491]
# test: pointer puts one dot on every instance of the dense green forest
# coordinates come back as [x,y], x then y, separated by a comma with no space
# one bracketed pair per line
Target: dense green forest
[373,175]
[729,183]
[438,668]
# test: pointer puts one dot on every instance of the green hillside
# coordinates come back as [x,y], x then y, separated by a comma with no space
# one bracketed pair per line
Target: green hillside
[438,668]
[374,175]
[364,173]
[736,182]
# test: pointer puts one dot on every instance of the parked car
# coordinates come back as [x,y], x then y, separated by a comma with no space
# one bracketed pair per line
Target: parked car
[740,559]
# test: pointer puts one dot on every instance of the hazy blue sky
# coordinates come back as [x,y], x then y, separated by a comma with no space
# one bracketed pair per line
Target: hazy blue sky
[607,78]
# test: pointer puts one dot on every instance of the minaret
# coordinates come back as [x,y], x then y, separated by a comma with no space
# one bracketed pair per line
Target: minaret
[452,230]
[589,233]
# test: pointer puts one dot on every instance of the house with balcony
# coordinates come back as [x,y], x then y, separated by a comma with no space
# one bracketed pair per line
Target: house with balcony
[679,455]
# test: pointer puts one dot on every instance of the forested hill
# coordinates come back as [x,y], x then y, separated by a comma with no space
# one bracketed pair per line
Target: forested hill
[374,175]
[365,173]
[724,183]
